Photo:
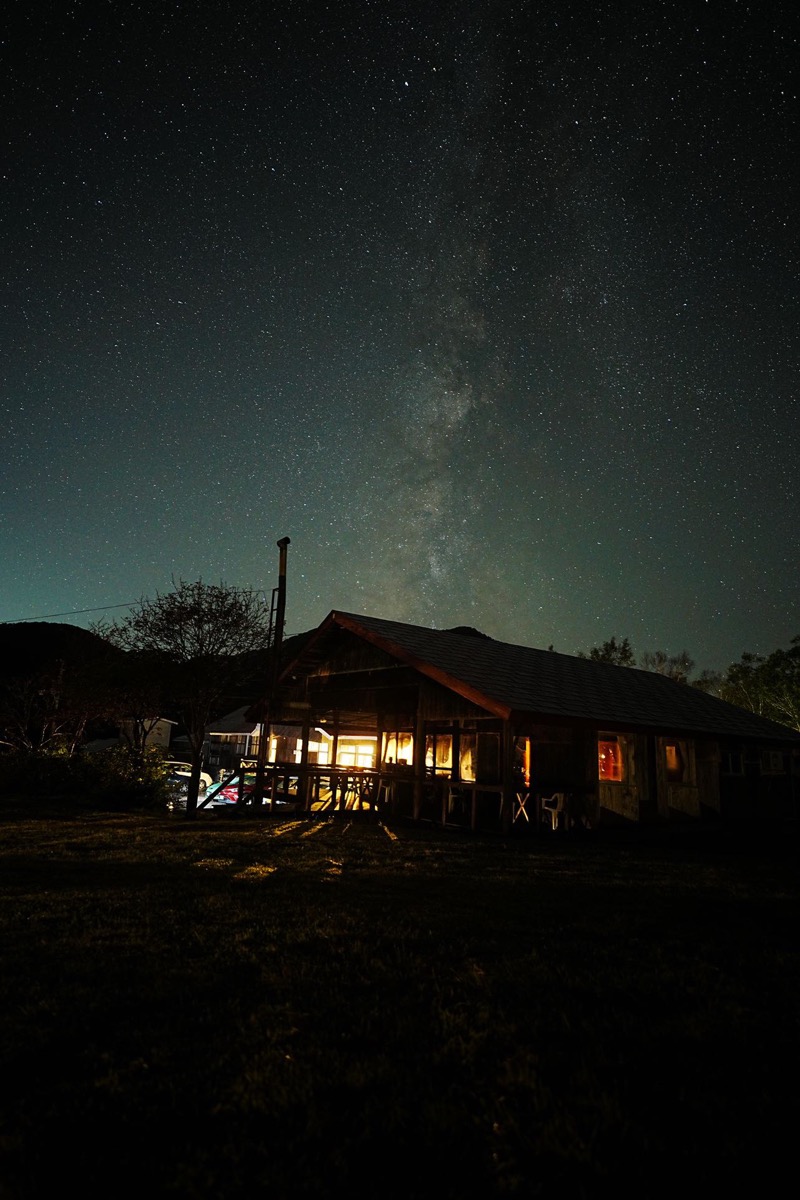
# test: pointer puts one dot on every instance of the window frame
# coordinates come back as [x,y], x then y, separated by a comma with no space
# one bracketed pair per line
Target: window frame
[679,773]
[622,743]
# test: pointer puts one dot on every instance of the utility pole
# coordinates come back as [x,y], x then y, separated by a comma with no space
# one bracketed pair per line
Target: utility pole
[263,741]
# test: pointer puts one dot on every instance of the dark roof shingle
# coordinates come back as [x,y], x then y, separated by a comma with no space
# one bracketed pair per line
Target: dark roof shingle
[507,678]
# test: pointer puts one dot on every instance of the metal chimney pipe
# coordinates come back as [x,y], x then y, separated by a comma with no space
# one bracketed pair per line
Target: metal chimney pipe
[258,791]
[281,612]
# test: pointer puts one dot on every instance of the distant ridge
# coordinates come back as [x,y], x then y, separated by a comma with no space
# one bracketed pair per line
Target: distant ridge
[29,647]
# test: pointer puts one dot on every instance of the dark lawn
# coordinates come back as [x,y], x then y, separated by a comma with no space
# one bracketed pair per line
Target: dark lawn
[242,1007]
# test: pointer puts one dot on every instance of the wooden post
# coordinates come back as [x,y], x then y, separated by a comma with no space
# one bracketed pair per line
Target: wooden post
[334,780]
[507,796]
[419,761]
[303,780]
[455,765]
[335,745]
[376,793]
[258,790]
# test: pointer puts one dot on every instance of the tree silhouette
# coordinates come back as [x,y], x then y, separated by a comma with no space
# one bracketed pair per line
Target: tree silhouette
[196,639]
[612,651]
[675,666]
[765,684]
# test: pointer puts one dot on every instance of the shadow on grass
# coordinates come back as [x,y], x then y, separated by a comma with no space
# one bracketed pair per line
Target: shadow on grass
[308,1008]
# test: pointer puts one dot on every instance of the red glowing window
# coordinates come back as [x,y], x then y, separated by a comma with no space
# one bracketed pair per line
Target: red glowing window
[610,762]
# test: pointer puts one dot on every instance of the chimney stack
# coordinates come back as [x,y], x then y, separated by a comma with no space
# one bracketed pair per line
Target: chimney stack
[277,640]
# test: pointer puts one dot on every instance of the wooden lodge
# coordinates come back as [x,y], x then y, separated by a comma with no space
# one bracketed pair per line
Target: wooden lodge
[454,727]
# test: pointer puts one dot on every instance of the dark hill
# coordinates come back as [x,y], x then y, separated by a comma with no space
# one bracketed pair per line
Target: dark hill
[256,671]
[29,647]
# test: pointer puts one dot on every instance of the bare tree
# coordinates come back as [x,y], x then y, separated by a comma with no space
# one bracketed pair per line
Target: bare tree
[675,666]
[195,638]
[133,694]
[612,651]
[49,676]
[42,711]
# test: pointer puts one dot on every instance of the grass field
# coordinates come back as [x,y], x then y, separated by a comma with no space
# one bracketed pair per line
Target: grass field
[238,1007]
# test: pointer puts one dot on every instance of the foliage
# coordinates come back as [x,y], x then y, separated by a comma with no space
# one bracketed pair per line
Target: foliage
[620,653]
[765,684]
[612,651]
[194,641]
[675,666]
[45,705]
[133,695]
[125,777]
[35,712]
[119,778]
[39,773]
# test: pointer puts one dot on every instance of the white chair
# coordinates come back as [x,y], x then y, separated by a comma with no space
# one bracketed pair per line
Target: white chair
[553,806]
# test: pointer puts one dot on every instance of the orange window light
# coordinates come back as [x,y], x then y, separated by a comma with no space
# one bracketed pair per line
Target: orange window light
[609,760]
[674,762]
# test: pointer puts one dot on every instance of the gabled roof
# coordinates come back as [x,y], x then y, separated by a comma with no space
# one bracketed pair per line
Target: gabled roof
[232,722]
[240,722]
[509,680]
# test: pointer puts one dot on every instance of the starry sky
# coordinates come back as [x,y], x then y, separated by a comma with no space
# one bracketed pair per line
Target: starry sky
[491,307]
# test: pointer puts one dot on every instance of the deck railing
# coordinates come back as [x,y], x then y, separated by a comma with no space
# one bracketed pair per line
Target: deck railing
[393,790]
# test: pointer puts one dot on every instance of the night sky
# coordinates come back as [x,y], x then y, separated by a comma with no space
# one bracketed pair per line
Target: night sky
[492,308]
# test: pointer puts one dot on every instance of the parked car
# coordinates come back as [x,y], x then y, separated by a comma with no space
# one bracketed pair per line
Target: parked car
[183,770]
[179,788]
[229,792]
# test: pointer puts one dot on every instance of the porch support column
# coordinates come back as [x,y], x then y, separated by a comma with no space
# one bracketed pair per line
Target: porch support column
[335,745]
[419,760]
[303,783]
[507,777]
[444,785]
[455,766]
[377,784]
[334,778]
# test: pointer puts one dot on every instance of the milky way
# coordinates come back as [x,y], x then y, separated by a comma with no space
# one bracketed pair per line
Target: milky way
[491,308]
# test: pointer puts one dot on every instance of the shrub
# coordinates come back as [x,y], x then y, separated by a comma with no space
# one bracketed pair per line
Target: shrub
[119,779]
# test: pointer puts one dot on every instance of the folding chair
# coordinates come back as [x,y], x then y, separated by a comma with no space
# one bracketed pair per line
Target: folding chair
[520,809]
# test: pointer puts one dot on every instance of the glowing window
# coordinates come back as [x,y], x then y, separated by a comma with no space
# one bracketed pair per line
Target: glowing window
[356,752]
[399,748]
[610,763]
[675,762]
[439,753]
[467,756]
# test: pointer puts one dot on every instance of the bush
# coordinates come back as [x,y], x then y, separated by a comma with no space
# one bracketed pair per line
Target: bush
[29,774]
[119,779]
[122,778]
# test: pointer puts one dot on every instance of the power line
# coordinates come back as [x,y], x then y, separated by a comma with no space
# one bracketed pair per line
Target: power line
[74,613]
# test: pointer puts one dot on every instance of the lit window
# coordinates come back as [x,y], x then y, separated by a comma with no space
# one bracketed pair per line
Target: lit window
[610,765]
[439,753]
[467,757]
[399,748]
[675,762]
[356,752]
